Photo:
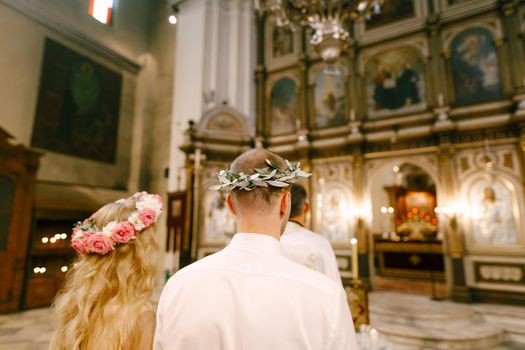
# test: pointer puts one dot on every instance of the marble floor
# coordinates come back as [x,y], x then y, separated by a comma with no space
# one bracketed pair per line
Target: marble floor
[416,322]
[409,322]
[29,330]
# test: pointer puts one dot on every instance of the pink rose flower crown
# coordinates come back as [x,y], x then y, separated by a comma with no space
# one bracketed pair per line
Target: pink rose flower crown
[88,238]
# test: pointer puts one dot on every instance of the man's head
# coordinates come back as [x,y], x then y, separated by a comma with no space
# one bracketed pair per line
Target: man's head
[270,205]
[300,205]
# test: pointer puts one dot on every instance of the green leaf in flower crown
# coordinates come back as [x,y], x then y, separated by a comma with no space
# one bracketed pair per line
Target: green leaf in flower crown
[276,183]
[260,183]
[224,180]
[303,174]
[215,187]
[287,177]
[269,162]
[243,183]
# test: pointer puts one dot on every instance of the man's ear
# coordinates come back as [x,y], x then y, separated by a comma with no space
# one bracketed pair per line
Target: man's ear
[229,201]
[285,203]
[306,207]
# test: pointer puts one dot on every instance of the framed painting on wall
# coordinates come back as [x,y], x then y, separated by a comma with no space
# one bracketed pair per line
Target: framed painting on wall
[78,106]
[395,83]
[336,224]
[329,97]
[219,222]
[494,212]
[475,69]
[282,42]
[282,48]
[391,11]
[283,106]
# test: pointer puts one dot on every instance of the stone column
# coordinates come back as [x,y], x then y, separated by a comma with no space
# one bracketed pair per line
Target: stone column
[188,89]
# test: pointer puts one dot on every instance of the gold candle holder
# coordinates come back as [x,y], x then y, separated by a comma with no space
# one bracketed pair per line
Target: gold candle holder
[357,297]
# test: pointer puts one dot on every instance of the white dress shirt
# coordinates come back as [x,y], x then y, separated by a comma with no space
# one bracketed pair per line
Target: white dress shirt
[310,249]
[248,296]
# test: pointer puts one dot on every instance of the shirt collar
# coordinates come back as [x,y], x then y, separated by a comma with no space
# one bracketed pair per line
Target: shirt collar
[256,242]
[292,227]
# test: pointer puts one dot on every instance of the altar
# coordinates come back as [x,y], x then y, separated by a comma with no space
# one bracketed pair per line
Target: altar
[423,260]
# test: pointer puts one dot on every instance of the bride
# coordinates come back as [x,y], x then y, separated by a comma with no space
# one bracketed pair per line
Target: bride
[104,304]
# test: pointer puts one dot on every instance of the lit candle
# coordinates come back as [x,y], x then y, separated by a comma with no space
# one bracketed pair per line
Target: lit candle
[355,267]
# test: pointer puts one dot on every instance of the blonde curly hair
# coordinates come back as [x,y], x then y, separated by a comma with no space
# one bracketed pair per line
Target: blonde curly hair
[104,296]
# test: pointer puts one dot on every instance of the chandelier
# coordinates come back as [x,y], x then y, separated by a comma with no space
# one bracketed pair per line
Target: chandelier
[329,20]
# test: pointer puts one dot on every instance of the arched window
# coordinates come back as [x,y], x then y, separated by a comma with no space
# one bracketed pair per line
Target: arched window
[101,10]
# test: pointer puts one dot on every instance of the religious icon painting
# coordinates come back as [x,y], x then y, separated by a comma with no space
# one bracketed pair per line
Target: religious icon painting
[283,106]
[329,97]
[78,106]
[220,224]
[282,48]
[282,42]
[395,83]
[335,220]
[475,70]
[391,11]
[494,212]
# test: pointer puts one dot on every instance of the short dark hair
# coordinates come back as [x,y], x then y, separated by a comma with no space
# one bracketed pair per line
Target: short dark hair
[298,199]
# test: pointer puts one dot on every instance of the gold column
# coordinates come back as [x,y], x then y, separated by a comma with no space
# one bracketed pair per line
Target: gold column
[435,66]
[453,243]
[504,60]
[511,24]
[260,77]
[358,189]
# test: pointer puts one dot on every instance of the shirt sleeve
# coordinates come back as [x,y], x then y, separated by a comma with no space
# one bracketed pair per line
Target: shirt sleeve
[330,264]
[343,332]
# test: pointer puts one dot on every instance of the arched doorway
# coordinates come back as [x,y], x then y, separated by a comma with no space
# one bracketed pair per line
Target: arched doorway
[406,250]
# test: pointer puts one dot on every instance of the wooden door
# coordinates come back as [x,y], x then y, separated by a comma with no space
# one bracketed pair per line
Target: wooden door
[17,177]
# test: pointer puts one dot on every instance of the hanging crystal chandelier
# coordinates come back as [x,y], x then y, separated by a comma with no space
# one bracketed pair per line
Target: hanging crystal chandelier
[329,19]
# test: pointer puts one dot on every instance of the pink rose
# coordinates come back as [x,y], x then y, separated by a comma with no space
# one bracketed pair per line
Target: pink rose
[147,216]
[159,198]
[98,243]
[75,230]
[79,245]
[123,232]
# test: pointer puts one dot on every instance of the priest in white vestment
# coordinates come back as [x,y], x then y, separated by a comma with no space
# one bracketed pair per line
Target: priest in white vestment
[249,295]
[304,246]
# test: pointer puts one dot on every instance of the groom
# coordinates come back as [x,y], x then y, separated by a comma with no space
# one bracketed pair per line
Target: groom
[248,295]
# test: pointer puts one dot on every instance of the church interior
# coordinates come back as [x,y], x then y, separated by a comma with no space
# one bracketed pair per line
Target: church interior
[410,115]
